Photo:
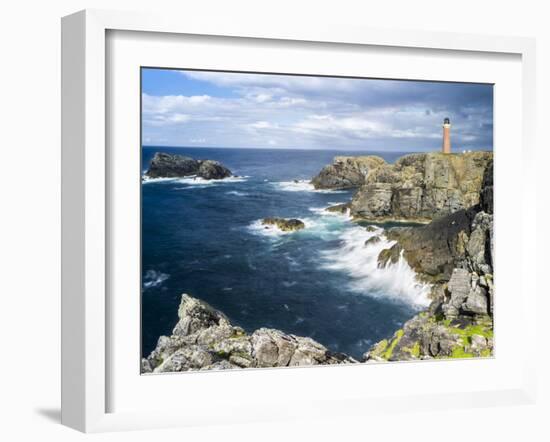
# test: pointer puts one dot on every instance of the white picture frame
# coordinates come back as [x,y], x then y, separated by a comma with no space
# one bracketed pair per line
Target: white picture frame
[86,315]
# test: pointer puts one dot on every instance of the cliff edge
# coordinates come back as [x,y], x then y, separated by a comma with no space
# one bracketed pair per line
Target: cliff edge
[421,187]
[205,339]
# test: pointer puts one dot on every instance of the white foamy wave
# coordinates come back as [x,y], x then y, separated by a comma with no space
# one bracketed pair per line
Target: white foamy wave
[154,278]
[301,186]
[195,180]
[322,211]
[236,193]
[396,281]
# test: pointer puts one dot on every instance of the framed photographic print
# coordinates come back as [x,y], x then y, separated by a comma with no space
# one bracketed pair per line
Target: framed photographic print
[253,213]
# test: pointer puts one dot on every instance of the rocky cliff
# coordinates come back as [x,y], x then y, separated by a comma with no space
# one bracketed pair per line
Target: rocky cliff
[205,339]
[164,165]
[421,187]
[346,172]
[454,253]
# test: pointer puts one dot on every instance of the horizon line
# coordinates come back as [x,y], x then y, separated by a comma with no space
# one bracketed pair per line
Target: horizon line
[314,148]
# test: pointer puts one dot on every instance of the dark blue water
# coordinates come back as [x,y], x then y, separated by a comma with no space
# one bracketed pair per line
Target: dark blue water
[203,238]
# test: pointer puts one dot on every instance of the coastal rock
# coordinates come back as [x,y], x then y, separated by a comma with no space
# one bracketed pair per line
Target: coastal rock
[426,337]
[213,170]
[204,339]
[286,225]
[165,165]
[454,253]
[346,172]
[389,256]
[486,194]
[435,249]
[339,208]
[422,187]
[372,241]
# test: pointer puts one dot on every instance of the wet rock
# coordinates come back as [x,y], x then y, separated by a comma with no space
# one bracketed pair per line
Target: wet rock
[372,241]
[389,256]
[339,208]
[286,225]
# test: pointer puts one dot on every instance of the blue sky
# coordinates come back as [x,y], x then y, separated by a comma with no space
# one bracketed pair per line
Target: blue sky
[220,109]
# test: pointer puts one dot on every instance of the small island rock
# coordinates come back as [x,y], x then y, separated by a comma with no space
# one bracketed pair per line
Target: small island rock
[165,165]
[286,225]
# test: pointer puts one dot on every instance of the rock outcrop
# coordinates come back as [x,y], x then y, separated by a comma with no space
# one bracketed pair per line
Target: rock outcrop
[205,339]
[165,165]
[346,172]
[421,187]
[454,253]
[286,225]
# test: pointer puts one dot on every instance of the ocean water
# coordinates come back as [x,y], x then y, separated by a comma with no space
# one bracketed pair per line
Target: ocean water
[204,238]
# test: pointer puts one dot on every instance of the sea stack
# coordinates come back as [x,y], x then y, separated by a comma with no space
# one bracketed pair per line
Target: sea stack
[164,165]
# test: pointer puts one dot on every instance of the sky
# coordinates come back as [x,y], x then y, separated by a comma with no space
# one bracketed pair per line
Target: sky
[242,110]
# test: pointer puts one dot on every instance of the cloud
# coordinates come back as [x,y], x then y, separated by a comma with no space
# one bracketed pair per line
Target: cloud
[319,112]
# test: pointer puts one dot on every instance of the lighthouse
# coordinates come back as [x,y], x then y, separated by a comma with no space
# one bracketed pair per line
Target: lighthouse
[446,148]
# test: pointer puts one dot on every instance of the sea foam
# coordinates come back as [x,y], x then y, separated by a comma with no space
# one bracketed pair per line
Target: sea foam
[195,181]
[154,278]
[360,262]
[301,186]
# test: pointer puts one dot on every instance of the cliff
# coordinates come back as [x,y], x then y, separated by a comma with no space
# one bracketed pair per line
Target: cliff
[205,339]
[164,165]
[346,172]
[418,187]
[455,253]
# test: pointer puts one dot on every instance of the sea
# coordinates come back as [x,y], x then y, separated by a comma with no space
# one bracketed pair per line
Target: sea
[205,238]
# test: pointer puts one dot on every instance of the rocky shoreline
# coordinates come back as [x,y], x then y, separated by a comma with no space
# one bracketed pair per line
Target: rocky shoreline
[452,195]
[205,339]
[453,251]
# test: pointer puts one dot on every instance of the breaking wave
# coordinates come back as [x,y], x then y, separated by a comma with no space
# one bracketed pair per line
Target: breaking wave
[360,262]
[195,181]
[301,186]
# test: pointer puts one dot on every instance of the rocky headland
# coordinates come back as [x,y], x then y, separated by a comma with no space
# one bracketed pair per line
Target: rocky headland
[284,224]
[165,165]
[452,194]
[346,172]
[417,187]
[205,339]
[454,253]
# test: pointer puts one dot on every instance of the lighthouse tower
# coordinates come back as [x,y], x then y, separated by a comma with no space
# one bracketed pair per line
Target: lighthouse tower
[446,148]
